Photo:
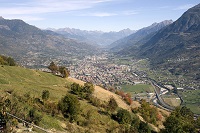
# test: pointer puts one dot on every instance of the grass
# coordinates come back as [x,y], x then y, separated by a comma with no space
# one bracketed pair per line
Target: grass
[138,88]
[191,99]
[172,101]
[22,81]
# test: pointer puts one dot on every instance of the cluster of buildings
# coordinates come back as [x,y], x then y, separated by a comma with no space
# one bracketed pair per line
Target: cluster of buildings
[100,70]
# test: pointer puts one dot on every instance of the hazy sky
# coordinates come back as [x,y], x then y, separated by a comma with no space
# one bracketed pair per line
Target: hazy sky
[105,15]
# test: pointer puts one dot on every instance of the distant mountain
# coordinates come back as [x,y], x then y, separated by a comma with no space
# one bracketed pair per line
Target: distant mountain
[93,37]
[21,40]
[131,41]
[177,46]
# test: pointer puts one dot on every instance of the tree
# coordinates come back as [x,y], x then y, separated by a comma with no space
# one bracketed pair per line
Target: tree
[70,107]
[143,127]
[34,116]
[45,94]
[172,125]
[2,61]
[11,61]
[135,124]
[180,120]
[64,71]
[78,90]
[123,116]
[112,104]
[7,61]
[186,112]
[53,67]
[88,88]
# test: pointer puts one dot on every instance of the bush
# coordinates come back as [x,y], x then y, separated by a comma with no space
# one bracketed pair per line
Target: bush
[34,116]
[83,92]
[126,97]
[45,95]
[88,88]
[149,113]
[123,116]
[76,89]
[180,120]
[144,128]
[7,61]
[70,107]
[95,101]
[112,104]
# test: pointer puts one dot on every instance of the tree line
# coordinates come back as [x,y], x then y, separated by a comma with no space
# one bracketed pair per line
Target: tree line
[64,72]
[4,60]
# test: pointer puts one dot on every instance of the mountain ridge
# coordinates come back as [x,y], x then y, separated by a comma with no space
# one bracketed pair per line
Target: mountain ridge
[93,37]
[18,39]
[178,41]
[131,40]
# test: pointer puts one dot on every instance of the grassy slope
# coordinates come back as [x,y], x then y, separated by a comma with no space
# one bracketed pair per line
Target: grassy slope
[104,95]
[22,81]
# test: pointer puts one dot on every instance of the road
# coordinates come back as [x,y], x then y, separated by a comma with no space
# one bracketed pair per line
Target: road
[158,93]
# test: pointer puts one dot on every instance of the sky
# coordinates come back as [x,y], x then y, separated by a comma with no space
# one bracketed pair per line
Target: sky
[104,15]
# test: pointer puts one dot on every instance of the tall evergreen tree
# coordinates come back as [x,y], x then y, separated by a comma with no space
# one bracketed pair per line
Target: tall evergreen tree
[53,67]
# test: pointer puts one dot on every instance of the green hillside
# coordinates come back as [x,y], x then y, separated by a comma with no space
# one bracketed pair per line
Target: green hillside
[21,80]
[18,83]
[21,94]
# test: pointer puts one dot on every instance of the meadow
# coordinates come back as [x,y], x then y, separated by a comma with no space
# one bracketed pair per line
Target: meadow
[138,88]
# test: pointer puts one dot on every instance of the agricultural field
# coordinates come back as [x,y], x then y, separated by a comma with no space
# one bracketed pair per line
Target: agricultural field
[138,88]
[172,100]
[191,99]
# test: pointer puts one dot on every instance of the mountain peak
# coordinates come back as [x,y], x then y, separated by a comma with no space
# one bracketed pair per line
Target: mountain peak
[1,17]
[167,22]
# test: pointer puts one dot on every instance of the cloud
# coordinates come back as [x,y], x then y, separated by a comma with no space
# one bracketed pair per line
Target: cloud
[184,7]
[109,14]
[24,17]
[47,6]
[127,13]
[99,14]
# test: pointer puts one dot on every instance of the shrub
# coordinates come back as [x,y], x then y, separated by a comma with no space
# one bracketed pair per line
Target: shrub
[34,116]
[45,95]
[123,116]
[83,92]
[95,101]
[112,104]
[70,107]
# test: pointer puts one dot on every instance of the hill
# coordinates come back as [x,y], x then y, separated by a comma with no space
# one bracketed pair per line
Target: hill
[22,90]
[177,45]
[18,83]
[131,41]
[27,43]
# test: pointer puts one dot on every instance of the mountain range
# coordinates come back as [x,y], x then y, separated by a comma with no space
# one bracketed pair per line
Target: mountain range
[21,40]
[175,47]
[132,40]
[172,45]
[93,37]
